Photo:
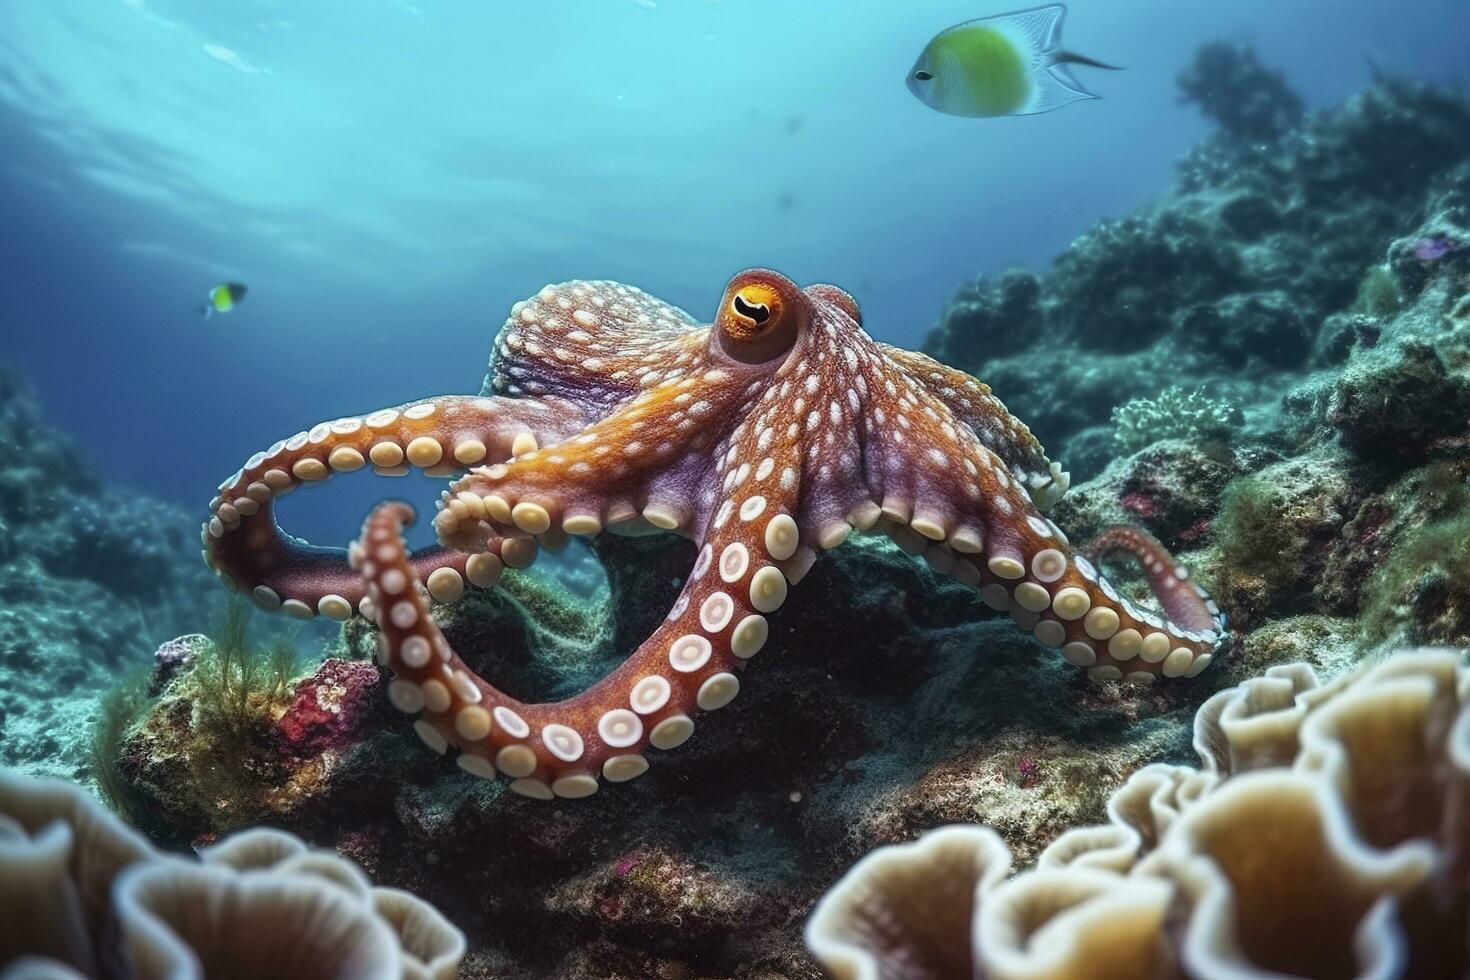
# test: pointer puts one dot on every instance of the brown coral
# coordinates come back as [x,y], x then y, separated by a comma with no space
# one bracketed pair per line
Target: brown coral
[1326,834]
[82,895]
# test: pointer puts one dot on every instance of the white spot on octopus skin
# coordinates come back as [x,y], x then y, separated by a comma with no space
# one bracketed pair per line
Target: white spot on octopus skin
[701,565]
[752,508]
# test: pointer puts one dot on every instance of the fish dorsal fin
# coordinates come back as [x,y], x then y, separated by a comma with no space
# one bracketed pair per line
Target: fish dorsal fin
[1038,27]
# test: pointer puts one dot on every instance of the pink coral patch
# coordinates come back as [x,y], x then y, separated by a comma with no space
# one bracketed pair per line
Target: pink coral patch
[330,708]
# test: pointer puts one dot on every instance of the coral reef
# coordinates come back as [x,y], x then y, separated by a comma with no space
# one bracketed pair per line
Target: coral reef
[89,575]
[688,869]
[1248,101]
[1329,525]
[1286,243]
[1324,834]
[82,895]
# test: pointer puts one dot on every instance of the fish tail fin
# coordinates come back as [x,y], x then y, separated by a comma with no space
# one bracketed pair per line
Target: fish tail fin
[1040,31]
[1053,88]
[204,310]
[1073,58]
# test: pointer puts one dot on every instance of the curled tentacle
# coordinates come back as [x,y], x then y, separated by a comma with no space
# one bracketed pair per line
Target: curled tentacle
[1064,600]
[1185,603]
[751,550]
[1026,567]
[692,662]
[441,436]
[950,496]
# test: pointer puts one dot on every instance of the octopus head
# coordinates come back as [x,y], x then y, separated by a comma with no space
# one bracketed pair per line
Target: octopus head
[761,316]
[828,296]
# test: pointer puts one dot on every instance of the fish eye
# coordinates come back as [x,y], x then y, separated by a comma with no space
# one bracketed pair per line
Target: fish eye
[923,75]
[755,312]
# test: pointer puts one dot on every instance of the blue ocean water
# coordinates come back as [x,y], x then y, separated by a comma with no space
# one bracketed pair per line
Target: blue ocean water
[389,176]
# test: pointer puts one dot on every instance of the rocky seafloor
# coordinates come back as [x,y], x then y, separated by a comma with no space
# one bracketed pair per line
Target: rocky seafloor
[92,576]
[1268,368]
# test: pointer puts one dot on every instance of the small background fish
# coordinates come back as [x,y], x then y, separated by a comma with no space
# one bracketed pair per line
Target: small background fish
[1007,65]
[223,298]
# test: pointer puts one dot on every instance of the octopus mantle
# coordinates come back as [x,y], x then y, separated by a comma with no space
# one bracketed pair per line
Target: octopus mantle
[765,436]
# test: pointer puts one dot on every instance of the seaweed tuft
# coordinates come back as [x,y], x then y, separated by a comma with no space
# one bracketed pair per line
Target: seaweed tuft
[118,711]
[239,682]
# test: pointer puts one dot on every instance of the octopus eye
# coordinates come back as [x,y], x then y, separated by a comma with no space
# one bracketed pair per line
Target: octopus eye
[923,75]
[761,315]
[756,312]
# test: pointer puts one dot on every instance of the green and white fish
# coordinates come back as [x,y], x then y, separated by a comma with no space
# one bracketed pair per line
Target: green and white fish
[1007,65]
[223,298]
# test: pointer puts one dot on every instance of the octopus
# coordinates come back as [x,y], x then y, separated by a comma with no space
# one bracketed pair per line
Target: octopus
[765,437]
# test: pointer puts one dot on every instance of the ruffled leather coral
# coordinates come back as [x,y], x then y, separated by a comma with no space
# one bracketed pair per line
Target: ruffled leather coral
[82,895]
[1325,834]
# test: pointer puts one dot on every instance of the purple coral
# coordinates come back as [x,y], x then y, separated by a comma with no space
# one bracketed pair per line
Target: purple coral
[173,656]
[1433,248]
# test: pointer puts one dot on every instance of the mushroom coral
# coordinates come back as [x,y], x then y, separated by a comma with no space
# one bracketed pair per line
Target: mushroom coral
[82,895]
[1326,833]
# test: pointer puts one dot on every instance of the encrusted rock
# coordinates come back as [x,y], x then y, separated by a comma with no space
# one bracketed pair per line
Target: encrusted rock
[1275,533]
[90,579]
[1248,101]
[333,707]
[1398,408]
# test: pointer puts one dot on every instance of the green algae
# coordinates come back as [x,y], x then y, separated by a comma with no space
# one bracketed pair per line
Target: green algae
[205,732]
[236,680]
[1249,528]
[237,687]
[1420,587]
[1379,293]
[1278,530]
[118,711]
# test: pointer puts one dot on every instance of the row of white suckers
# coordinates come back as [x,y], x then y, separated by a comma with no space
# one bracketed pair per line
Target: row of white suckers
[1027,601]
[688,654]
[388,458]
[446,584]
